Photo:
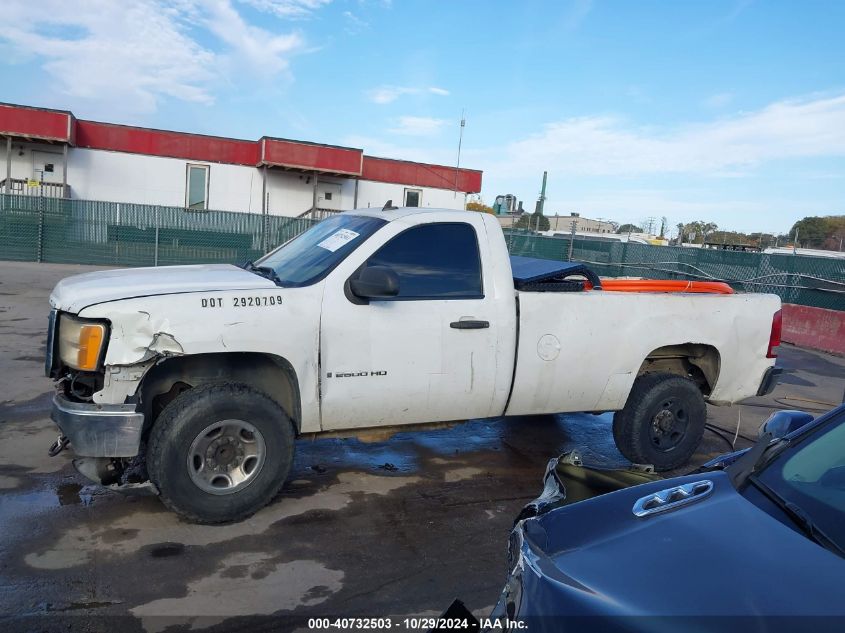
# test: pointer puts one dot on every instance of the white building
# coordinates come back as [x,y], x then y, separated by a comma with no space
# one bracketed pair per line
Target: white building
[565,222]
[52,153]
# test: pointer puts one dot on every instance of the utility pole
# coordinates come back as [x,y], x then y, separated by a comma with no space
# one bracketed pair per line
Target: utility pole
[541,201]
[460,141]
[572,225]
[795,243]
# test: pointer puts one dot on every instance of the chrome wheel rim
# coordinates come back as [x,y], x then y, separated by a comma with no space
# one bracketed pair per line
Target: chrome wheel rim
[226,457]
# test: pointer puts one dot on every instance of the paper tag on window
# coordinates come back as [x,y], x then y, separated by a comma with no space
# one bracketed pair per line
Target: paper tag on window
[338,239]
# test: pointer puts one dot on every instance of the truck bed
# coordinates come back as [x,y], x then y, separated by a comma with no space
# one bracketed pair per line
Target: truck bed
[576,348]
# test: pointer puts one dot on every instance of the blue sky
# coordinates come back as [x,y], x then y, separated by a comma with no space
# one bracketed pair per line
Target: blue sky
[725,110]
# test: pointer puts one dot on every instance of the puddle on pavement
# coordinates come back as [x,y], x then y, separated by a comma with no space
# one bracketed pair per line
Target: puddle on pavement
[166,550]
[153,525]
[14,505]
[264,586]
[68,494]
[407,451]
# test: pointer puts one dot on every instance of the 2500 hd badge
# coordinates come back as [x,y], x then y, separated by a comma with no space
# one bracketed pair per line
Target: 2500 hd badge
[355,374]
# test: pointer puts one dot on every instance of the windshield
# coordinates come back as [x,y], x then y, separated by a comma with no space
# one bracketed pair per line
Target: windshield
[811,475]
[311,256]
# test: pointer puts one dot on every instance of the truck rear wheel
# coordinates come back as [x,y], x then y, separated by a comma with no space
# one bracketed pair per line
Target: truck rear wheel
[220,452]
[662,422]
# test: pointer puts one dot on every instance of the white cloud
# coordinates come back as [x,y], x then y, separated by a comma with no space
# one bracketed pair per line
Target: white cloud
[354,24]
[389,94]
[602,145]
[289,9]
[265,53]
[134,54]
[417,126]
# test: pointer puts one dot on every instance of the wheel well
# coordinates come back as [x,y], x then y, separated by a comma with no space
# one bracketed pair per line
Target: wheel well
[699,362]
[271,374]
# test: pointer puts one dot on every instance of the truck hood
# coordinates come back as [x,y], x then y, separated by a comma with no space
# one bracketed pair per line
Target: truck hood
[80,291]
[722,555]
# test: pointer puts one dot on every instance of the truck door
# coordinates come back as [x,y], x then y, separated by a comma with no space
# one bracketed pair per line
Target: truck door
[426,355]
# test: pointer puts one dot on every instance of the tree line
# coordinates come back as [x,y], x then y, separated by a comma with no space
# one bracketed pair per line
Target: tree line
[822,232]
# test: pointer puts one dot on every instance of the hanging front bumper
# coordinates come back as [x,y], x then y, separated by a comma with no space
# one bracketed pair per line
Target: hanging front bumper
[99,430]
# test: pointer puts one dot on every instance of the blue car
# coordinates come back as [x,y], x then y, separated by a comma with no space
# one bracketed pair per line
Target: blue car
[752,541]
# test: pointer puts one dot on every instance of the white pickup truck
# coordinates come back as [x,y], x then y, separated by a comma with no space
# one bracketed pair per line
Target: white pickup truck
[201,377]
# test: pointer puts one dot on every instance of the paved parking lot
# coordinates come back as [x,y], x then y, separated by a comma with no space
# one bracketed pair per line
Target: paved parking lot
[361,529]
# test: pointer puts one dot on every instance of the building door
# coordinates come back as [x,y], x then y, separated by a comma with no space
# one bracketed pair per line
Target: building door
[47,167]
[328,196]
[413,197]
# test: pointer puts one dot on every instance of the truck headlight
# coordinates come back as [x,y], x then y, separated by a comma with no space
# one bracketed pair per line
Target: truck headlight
[80,342]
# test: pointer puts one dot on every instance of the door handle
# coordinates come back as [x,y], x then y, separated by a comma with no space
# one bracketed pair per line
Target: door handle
[469,325]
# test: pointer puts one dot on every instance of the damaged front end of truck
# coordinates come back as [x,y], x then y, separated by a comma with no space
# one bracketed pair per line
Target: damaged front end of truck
[96,406]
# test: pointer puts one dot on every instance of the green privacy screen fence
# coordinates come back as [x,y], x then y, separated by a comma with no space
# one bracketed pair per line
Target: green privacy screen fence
[810,281]
[120,234]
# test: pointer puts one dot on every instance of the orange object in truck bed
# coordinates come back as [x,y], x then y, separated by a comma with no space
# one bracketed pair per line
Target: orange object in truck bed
[664,285]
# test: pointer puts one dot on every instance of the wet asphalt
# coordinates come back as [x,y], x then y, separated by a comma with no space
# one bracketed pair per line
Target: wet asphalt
[392,528]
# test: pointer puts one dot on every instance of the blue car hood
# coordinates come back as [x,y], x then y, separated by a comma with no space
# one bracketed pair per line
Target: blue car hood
[721,555]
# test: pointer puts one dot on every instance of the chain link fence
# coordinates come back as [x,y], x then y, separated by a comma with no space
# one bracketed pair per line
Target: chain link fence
[41,229]
[799,279]
[54,230]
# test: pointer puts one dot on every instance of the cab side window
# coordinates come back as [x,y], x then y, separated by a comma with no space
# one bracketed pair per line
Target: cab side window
[434,261]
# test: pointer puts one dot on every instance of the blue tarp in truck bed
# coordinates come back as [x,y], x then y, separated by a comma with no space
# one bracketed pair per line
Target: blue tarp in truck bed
[527,270]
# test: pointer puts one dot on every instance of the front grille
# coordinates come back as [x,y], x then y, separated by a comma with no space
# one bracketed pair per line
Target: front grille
[51,343]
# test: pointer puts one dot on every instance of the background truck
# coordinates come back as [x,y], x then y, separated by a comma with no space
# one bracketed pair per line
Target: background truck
[201,377]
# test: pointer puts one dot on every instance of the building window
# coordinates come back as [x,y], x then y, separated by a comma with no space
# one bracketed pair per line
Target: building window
[434,261]
[196,188]
[328,195]
[413,197]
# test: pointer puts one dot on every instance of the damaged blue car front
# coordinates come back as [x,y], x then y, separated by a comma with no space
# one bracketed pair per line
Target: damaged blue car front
[751,541]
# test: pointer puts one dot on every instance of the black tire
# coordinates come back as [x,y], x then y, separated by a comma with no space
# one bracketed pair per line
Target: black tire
[643,431]
[180,427]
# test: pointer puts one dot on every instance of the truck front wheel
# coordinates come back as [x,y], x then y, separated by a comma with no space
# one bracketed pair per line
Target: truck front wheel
[662,422]
[220,452]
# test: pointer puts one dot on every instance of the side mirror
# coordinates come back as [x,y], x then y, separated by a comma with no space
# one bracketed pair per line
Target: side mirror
[375,282]
[782,423]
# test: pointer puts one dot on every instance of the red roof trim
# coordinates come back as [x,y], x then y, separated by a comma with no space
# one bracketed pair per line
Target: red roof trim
[311,156]
[421,174]
[62,126]
[38,123]
[134,140]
